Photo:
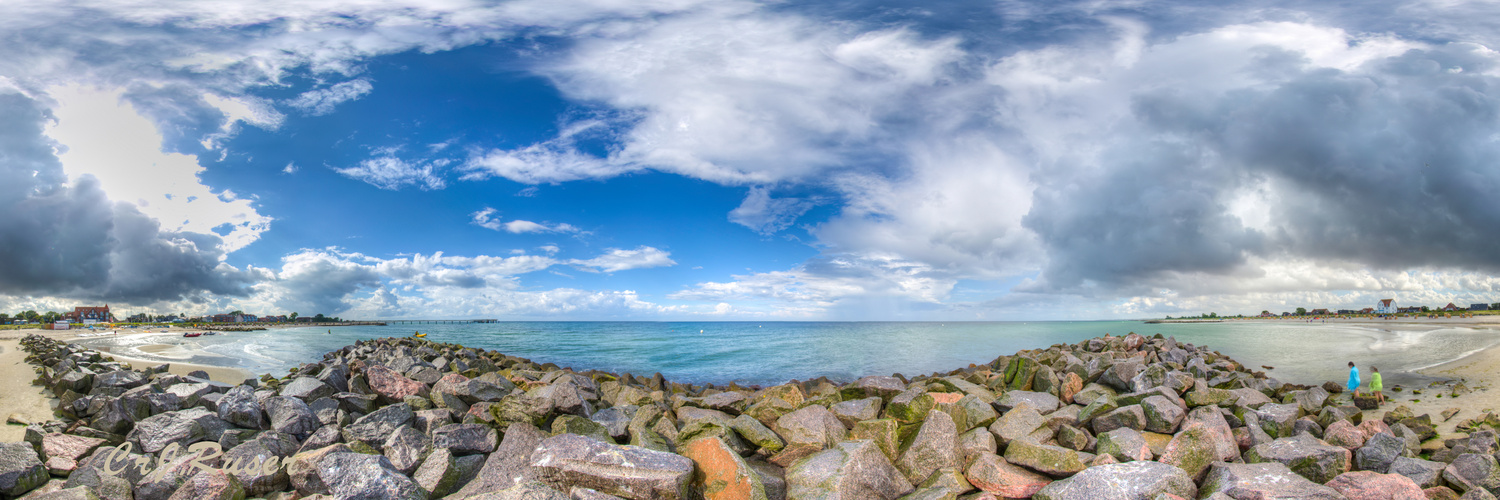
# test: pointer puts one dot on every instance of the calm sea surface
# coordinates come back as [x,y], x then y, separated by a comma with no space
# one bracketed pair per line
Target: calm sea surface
[774,352]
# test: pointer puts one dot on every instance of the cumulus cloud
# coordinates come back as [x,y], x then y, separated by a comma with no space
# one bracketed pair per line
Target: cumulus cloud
[852,286]
[1149,155]
[62,238]
[616,259]
[336,281]
[486,219]
[391,173]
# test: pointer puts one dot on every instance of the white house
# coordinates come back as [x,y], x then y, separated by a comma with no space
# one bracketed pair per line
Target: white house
[1386,306]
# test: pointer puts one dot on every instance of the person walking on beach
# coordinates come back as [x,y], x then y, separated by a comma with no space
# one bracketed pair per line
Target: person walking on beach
[1376,386]
[1353,379]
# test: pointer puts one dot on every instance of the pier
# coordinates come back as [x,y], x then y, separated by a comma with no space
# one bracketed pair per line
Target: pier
[435,321]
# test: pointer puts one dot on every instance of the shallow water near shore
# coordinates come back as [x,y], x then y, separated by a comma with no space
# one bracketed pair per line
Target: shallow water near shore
[774,352]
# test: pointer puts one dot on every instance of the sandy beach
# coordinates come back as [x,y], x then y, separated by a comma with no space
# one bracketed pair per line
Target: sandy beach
[1479,372]
[20,397]
[34,404]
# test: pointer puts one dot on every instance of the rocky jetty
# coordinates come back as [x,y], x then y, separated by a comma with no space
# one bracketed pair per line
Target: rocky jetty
[1108,418]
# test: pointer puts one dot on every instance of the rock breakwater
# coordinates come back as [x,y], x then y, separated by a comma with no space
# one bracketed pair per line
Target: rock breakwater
[1108,418]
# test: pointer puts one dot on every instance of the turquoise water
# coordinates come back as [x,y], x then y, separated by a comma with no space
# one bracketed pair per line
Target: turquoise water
[774,352]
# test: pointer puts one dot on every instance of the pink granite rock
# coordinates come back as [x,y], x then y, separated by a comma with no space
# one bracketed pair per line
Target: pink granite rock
[389,384]
[1366,485]
[1344,434]
[994,475]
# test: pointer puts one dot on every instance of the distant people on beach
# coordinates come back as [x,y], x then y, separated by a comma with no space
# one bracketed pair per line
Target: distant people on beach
[1376,386]
[1353,379]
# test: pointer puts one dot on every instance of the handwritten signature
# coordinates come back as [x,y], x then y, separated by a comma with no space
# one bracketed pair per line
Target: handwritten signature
[118,458]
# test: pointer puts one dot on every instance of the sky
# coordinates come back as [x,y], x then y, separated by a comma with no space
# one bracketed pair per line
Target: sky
[747,160]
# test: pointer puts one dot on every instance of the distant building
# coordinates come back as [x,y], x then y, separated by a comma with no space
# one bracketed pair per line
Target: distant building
[1386,306]
[1413,309]
[1450,308]
[90,315]
[1367,310]
[1479,307]
[1319,312]
[1348,311]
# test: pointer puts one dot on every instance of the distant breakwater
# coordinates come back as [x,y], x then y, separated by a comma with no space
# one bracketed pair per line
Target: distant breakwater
[1111,417]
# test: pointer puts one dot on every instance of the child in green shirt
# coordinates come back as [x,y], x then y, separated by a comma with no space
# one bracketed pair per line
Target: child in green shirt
[1376,386]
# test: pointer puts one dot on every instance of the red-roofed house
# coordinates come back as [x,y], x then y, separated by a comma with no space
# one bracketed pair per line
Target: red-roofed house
[1450,307]
[1367,310]
[90,315]
[1386,306]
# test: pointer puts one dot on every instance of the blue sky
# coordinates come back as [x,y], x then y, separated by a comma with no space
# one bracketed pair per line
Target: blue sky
[687,159]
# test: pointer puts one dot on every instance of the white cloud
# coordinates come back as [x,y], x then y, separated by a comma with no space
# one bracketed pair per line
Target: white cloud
[392,173]
[322,101]
[854,286]
[290,168]
[106,138]
[486,219]
[616,259]
[766,215]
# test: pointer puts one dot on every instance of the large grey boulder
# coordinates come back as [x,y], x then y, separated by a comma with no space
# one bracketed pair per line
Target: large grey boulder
[1142,480]
[1270,480]
[812,426]
[253,458]
[510,464]
[1278,420]
[849,470]
[308,389]
[190,393]
[1131,416]
[571,460]
[157,431]
[361,476]
[292,416]
[471,391]
[615,420]
[166,478]
[1017,423]
[438,475]
[1047,459]
[1219,432]
[849,412]
[1125,444]
[465,439]
[20,469]
[407,448]
[1425,473]
[1379,452]
[1121,374]
[1162,414]
[240,407]
[935,447]
[375,428]
[1315,460]
[1041,401]
[1473,471]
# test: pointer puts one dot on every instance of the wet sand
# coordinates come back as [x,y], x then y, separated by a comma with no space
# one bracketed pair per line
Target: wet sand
[19,396]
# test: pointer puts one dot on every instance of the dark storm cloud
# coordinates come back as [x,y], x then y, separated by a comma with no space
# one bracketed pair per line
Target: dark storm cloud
[1393,165]
[69,239]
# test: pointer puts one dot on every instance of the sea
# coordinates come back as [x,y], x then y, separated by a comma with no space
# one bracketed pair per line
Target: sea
[768,353]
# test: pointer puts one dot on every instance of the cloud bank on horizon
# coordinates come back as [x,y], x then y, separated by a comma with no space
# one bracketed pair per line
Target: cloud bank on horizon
[679,159]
